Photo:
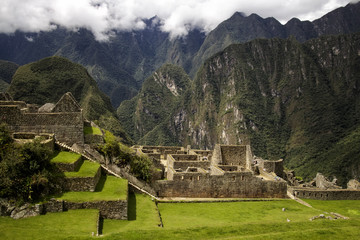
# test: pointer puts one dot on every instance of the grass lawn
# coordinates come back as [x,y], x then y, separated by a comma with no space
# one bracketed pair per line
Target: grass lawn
[65,157]
[92,130]
[231,220]
[87,169]
[239,220]
[108,188]
[73,224]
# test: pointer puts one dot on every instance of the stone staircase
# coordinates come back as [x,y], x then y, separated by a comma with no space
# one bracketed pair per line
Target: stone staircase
[138,185]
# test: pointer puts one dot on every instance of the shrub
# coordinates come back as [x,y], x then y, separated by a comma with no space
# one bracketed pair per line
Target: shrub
[26,173]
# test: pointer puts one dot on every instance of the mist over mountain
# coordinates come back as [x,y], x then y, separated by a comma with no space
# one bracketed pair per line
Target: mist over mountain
[120,65]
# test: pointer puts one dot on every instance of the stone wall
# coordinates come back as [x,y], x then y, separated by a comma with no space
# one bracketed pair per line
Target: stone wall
[239,155]
[183,165]
[68,127]
[70,167]
[82,184]
[273,166]
[184,157]
[108,209]
[230,184]
[318,194]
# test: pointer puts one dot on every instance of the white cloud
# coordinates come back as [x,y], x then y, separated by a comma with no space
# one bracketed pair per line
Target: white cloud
[178,16]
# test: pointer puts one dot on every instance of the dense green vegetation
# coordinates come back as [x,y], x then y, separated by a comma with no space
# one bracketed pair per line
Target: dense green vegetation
[7,70]
[239,220]
[121,155]
[26,173]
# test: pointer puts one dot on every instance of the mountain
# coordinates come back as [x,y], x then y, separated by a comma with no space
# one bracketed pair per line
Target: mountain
[240,28]
[7,70]
[45,81]
[159,97]
[290,100]
[120,65]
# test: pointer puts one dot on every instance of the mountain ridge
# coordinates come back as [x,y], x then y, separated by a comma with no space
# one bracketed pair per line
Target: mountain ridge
[121,65]
[291,100]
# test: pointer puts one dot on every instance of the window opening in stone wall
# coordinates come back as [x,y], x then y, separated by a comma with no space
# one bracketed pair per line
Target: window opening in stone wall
[242,178]
[234,178]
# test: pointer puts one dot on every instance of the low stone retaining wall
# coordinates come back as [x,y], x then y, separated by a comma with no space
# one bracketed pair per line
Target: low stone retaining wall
[108,209]
[331,194]
[70,167]
[82,184]
[116,209]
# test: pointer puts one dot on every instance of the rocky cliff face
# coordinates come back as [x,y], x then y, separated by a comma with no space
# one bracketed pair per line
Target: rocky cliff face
[161,93]
[297,101]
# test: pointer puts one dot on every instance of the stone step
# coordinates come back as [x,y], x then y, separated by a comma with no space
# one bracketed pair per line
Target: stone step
[85,179]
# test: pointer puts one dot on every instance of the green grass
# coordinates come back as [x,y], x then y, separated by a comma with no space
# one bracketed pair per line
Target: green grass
[65,157]
[348,208]
[92,130]
[237,220]
[230,220]
[87,169]
[73,224]
[108,188]
[142,215]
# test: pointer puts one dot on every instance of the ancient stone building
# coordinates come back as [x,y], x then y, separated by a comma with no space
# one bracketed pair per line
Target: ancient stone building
[64,119]
[225,172]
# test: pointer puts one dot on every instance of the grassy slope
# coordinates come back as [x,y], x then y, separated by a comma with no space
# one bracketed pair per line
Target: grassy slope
[65,157]
[92,130]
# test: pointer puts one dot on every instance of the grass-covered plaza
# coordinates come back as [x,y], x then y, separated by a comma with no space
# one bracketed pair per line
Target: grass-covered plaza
[219,220]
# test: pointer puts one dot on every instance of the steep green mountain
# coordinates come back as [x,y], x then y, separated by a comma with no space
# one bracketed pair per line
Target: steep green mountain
[240,28]
[48,79]
[7,70]
[120,65]
[159,97]
[291,100]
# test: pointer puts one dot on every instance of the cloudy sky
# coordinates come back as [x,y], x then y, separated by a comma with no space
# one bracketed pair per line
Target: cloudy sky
[177,16]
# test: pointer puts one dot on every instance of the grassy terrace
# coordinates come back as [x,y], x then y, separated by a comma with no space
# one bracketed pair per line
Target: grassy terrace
[87,169]
[108,188]
[92,130]
[74,223]
[231,220]
[65,157]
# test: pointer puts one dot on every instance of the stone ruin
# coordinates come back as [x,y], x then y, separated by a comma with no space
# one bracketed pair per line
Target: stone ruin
[225,172]
[322,189]
[64,119]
